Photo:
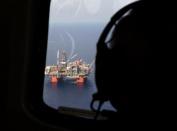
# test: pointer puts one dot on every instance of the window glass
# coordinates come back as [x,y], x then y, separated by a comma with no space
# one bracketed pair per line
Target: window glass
[74,29]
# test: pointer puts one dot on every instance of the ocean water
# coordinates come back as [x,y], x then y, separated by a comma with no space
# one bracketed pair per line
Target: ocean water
[79,41]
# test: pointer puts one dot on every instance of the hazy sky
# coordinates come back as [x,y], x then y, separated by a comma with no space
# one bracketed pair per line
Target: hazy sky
[84,10]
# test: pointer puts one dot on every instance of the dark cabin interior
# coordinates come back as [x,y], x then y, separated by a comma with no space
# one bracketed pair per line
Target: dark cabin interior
[25,26]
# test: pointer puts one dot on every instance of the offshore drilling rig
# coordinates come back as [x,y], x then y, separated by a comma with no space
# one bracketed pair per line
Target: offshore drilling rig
[65,69]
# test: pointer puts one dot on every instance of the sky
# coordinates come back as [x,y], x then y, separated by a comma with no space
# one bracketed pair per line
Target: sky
[84,10]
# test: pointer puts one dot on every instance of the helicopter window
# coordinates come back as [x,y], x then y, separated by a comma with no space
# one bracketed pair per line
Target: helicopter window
[74,29]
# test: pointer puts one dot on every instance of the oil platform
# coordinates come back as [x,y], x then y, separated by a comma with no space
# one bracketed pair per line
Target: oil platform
[65,69]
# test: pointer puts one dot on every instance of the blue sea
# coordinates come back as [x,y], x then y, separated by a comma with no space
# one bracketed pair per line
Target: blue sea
[79,41]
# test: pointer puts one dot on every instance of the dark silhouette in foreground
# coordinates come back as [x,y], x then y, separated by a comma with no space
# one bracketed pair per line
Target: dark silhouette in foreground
[137,72]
